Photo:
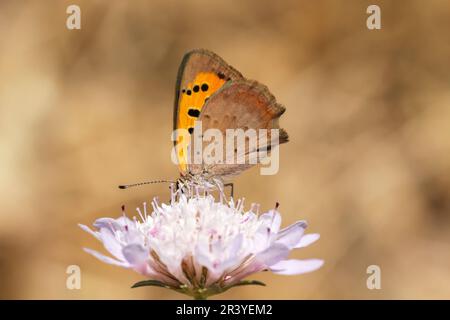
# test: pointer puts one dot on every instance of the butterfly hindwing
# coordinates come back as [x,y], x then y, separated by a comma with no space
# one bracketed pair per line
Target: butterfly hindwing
[200,75]
[242,104]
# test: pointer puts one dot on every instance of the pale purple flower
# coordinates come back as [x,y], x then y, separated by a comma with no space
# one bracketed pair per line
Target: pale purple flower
[201,247]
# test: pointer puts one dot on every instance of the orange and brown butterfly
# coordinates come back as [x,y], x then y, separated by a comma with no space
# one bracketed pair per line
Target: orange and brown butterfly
[210,90]
[213,92]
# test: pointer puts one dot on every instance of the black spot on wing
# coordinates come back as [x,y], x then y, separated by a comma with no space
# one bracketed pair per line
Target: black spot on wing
[194,113]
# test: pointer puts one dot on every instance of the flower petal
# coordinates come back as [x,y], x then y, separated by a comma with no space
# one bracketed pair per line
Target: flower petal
[111,243]
[291,235]
[236,244]
[271,220]
[89,230]
[108,223]
[291,267]
[273,254]
[135,254]
[106,259]
[307,239]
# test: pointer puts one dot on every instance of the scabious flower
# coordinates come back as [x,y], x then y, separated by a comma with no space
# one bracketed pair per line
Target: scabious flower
[201,247]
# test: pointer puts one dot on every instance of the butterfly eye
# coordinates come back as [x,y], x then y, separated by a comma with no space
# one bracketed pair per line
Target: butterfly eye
[205,87]
[188,92]
[196,88]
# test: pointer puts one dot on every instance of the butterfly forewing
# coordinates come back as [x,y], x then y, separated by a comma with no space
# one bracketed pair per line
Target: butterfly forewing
[200,75]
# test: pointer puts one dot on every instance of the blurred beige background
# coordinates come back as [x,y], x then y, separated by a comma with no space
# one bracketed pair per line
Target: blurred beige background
[368,114]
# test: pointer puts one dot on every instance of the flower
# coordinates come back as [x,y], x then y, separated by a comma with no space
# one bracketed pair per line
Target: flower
[201,247]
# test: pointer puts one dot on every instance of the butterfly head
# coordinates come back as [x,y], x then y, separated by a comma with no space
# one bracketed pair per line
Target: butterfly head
[192,184]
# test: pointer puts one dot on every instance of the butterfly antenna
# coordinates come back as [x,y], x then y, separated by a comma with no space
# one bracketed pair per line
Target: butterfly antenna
[126,186]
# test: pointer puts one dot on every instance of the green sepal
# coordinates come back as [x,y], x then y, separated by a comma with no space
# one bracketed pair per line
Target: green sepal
[247,283]
[154,283]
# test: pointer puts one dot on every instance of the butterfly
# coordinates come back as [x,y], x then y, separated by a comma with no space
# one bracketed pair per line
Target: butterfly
[211,91]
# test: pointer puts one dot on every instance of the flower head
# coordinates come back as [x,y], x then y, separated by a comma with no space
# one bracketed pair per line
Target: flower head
[201,247]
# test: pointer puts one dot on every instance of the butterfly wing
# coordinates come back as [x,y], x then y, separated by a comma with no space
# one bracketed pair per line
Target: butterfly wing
[200,74]
[241,104]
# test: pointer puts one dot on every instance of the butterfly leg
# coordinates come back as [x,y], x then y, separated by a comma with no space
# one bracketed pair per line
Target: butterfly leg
[231,185]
